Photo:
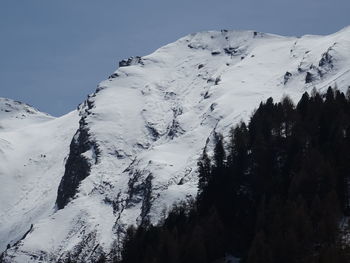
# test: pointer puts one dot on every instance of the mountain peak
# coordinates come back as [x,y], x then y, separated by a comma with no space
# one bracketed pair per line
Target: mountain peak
[16,114]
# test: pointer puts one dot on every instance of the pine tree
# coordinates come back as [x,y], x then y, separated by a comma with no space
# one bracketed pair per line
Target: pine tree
[303,104]
[204,174]
[219,152]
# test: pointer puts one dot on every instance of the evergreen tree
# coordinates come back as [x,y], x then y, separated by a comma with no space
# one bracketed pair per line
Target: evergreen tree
[204,174]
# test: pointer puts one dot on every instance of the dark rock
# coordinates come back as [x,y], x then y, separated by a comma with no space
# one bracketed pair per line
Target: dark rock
[140,191]
[206,95]
[286,77]
[174,129]
[326,60]
[146,201]
[99,88]
[231,50]
[169,95]
[113,76]
[153,132]
[181,182]
[215,53]
[190,46]
[200,66]
[320,73]
[213,106]
[141,146]
[309,77]
[77,167]
[119,154]
[130,61]
[210,80]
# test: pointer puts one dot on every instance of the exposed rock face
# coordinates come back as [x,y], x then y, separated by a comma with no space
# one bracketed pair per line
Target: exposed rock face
[131,61]
[82,152]
[309,77]
[286,77]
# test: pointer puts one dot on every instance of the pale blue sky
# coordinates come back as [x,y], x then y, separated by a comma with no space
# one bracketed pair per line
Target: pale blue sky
[54,52]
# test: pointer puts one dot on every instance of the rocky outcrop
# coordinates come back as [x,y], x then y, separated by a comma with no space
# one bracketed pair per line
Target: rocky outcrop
[83,153]
[130,61]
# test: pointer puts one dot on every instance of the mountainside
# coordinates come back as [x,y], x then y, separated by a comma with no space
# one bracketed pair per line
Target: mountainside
[277,191]
[33,147]
[130,151]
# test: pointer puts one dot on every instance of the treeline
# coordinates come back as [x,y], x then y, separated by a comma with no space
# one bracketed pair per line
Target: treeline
[275,192]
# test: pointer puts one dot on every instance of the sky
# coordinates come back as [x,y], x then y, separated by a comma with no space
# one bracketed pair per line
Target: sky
[54,53]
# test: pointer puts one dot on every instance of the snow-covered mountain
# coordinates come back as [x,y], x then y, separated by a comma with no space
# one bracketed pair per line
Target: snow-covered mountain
[71,185]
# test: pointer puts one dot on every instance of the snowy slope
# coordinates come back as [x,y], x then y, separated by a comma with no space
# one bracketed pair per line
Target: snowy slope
[141,133]
[33,146]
